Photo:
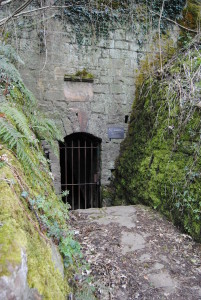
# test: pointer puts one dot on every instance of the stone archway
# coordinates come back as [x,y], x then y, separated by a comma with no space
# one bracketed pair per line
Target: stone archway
[80,169]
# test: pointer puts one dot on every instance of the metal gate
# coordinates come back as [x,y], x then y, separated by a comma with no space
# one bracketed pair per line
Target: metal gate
[80,170]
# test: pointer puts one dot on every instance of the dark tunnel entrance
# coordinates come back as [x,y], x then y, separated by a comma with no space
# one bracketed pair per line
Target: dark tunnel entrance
[80,170]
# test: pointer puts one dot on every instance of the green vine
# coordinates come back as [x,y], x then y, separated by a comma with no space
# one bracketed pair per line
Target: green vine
[95,19]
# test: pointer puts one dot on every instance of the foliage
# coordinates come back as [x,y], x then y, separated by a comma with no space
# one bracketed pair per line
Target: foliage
[191,18]
[52,217]
[22,125]
[97,18]
[86,292]
[160,159]
[8,52]
[70,250]
[19,230]
[80,76]
[84,74]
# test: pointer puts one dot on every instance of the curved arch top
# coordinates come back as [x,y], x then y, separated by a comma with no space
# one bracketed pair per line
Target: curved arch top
[81,135]
[80,169]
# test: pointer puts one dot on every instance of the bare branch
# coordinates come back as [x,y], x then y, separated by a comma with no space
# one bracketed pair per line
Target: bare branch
[5,2]
[16,15]
[19,12]
[159,34]
[174,22]
[21,8]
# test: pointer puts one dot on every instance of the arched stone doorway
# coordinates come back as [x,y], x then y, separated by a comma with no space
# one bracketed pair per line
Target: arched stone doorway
[80,169]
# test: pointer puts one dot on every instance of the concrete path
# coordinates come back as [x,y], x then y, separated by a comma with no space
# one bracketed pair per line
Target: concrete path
[137,254]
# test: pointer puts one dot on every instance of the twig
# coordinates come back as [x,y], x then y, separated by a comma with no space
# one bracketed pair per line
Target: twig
[174,22]
[21,13]
[6,180]
[45,40]
[22,7]
[5,2]
[159,34]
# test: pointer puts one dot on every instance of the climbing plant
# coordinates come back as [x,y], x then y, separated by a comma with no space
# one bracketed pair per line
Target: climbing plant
[96,18]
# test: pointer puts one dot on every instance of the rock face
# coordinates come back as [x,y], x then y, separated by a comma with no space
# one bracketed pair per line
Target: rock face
[57,259]
[15,287]
[31,267]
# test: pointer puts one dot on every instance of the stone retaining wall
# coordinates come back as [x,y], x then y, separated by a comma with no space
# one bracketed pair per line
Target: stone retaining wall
[79,106]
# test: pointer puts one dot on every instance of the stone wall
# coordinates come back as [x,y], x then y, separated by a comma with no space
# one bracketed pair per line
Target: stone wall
[51,52]
[82,107]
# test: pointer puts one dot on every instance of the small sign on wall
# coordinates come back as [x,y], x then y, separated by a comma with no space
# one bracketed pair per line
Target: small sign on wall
[116,133]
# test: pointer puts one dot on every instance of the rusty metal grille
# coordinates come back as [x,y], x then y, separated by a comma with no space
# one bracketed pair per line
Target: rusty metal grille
[80,170]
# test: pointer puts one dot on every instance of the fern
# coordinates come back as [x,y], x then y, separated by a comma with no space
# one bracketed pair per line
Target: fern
[30,164]
[8,71]
[23,125]
[8,52]
[46,129]
[9,134]
[20,121]
[18,143]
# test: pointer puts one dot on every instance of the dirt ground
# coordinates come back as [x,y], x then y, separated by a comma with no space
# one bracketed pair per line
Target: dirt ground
[135,253]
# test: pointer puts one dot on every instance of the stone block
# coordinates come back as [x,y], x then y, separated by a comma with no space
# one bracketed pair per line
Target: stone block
[15,286]
[116,89]
[52,95]
[134,47]
[104,62]
[117,64]
[115,53]
[129,54]
[106,79]
[102,43]
[121,45]
[98,107]
[105,53]
[101,89]
[119,34]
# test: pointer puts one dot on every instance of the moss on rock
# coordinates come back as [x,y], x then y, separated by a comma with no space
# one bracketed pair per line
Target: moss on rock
[18,231]
[160,159]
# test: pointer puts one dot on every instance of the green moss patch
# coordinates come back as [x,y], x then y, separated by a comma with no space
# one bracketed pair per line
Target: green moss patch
[160,159]
[18,231]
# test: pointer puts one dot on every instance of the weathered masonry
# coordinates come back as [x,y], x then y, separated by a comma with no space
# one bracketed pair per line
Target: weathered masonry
[96,110]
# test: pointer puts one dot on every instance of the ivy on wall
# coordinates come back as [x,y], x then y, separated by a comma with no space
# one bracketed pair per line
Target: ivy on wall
[96,18]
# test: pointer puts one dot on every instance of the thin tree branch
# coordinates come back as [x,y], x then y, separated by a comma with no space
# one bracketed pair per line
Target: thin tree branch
[5,2]
[159,34]
[45,40]
[174,22]
[16,15]
[19,13]
[22,7]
